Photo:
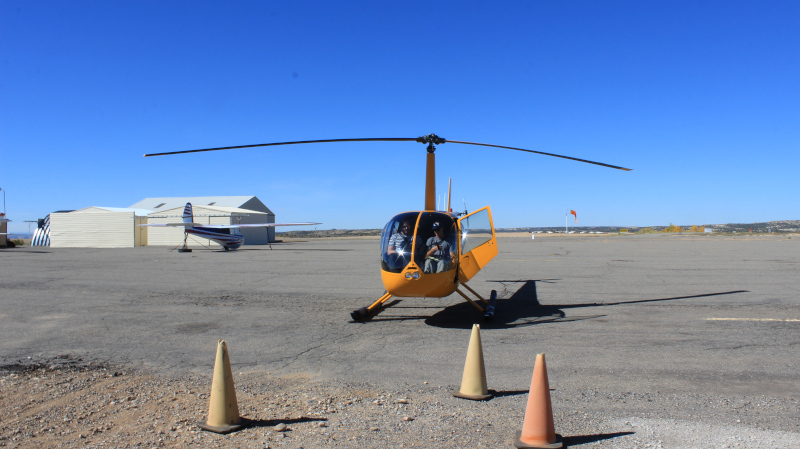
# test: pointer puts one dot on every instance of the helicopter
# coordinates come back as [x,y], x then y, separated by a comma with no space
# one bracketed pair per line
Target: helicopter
[428,253]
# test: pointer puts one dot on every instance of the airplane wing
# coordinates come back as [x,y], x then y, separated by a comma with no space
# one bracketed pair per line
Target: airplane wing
[178,225]
[253,225]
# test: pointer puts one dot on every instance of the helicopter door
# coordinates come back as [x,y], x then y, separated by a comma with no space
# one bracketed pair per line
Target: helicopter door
[478,245]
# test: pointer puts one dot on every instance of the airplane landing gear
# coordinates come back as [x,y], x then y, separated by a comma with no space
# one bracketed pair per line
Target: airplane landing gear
[185,248]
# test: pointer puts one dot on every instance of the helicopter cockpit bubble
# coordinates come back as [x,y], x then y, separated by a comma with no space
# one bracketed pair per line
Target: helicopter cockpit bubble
[397,241]
[413,231]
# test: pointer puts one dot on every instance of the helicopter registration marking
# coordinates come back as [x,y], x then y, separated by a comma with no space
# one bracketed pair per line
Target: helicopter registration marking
[754,319]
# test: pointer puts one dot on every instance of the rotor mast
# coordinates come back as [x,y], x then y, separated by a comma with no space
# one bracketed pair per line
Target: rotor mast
[430,169]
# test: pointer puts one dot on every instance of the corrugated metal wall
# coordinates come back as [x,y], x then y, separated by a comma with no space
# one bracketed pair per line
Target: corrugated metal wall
[257,236]
[92,229]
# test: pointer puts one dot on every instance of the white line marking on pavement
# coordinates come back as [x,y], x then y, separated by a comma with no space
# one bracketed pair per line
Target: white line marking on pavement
[752,319]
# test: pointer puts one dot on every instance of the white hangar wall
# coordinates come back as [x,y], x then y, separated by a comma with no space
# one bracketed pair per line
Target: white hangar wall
[97,227]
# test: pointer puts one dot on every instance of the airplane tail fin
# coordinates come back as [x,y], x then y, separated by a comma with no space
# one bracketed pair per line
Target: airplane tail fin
[188,216]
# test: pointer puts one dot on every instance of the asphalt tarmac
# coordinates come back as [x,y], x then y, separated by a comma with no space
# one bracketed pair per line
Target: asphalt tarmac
[676,315]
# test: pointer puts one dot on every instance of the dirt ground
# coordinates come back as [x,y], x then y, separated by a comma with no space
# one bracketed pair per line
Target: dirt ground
[74,404]
[95,406]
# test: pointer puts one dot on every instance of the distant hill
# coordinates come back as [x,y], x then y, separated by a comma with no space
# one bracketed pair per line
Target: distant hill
[15,236]
[328,233]
[775,226]
[769,226]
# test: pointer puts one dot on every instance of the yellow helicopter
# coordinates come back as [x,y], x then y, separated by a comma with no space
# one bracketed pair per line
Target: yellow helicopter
[428,253]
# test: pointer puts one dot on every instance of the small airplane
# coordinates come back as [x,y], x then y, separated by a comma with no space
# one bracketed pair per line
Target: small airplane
[226,235]
[428,253]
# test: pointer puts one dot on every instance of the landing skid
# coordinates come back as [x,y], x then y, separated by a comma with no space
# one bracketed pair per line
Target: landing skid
[487,307]
[365,313]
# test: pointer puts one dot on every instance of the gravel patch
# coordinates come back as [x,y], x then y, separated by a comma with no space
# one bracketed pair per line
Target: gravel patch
[68,403]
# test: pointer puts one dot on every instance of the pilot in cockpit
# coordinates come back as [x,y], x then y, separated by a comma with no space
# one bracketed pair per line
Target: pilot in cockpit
[438,257]
[401,241]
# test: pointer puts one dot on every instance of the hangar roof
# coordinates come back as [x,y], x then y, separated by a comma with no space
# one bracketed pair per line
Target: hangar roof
[165,203]
[178,211]
[137,212]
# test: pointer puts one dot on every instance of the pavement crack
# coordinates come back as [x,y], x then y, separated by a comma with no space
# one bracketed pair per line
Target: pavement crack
[294,358]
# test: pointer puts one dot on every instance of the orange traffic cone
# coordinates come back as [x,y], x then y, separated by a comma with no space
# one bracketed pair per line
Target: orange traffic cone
[538,430]
[473,382]
[223,413]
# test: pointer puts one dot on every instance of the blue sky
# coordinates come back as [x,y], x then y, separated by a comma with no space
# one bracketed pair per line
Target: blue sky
[699,98]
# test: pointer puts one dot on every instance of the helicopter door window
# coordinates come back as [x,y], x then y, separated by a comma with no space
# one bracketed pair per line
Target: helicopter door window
[476,230]
[396,242]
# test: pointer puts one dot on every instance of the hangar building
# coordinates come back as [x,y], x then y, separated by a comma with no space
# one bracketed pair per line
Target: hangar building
[114,227]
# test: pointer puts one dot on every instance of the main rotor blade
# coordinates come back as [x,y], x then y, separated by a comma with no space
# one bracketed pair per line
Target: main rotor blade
[541,152]
[388,139]
[424,139]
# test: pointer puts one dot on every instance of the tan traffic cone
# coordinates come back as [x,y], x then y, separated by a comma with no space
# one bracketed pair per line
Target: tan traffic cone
[473,382]
[223,411]
[538,430]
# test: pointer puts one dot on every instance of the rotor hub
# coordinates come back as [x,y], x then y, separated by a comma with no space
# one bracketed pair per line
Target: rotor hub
[431,140]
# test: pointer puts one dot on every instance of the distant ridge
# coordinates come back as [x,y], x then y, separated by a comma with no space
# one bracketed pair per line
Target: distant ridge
[769,226]
[16,236]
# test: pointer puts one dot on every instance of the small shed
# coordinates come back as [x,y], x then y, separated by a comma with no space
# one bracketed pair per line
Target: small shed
[98,227]
[3,229]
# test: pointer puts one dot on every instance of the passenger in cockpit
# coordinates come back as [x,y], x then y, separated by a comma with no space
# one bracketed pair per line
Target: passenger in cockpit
[437,259]
[400,242]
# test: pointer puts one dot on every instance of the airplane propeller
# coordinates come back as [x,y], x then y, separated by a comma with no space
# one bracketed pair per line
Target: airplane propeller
[430,139]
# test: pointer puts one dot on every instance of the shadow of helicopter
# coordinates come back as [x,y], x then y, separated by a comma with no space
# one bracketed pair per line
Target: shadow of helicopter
[523,309]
